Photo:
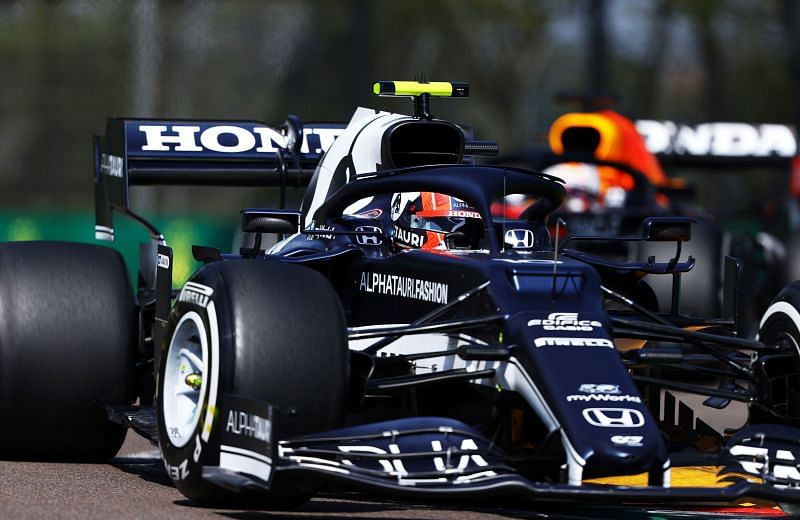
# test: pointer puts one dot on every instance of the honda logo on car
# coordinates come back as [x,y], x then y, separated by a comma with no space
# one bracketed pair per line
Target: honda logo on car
[371,236]
[613,417]
[519,238]
[718,139]
[565,321]
[573,342]
[224,138]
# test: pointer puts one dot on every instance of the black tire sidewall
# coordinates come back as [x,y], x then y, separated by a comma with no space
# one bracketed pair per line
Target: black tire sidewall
[781,321]
[778,320]
[67,336]
[230,306]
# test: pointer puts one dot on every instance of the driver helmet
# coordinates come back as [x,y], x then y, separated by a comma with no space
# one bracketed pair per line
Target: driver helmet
[590,187]
[422,220]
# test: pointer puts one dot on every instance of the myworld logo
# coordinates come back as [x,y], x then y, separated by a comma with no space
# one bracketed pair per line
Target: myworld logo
[604,398]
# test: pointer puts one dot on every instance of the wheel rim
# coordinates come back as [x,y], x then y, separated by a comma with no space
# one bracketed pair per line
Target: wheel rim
[786,341]
[185,379]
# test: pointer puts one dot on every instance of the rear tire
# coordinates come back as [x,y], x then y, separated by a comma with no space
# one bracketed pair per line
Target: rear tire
[66,347]
[268,331]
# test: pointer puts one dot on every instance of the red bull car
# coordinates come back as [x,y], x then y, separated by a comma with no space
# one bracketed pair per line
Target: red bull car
[397,337]
[613,182]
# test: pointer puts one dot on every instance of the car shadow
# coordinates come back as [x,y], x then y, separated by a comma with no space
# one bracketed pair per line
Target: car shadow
[149,469]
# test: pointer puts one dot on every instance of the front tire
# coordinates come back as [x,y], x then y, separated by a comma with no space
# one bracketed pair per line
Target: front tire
[263,330]
[780,371]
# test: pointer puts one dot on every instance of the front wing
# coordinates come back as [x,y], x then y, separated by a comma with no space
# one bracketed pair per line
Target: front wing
[435,457]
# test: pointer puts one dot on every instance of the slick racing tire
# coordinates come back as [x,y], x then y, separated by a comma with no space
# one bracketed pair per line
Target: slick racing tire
[66,350]
[779,372]
[261,330]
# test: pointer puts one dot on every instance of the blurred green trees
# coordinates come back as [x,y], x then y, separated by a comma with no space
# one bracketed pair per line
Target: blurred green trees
[67,65]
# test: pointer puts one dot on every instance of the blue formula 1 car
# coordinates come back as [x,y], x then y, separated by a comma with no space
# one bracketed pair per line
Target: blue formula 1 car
[396,336]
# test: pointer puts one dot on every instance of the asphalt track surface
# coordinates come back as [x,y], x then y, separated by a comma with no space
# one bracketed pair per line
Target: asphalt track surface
[135,485]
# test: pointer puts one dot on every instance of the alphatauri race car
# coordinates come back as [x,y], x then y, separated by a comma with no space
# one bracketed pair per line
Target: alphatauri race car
[396,337]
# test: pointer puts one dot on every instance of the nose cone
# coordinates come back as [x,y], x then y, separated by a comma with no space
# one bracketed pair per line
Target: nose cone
[576,369]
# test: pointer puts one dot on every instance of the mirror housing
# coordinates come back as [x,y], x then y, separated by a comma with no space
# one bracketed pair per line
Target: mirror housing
[270,221]
[667,229]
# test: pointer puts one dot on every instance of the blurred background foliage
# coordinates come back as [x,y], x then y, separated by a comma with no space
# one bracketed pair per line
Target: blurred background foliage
[67,65]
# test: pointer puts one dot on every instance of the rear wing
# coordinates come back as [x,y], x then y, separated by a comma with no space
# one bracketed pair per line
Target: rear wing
[205,153]
[720,144]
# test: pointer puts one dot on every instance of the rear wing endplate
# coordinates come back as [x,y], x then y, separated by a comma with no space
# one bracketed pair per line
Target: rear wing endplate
[204,153]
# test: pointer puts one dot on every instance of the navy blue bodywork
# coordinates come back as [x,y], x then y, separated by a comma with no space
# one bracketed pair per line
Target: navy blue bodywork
[475,371]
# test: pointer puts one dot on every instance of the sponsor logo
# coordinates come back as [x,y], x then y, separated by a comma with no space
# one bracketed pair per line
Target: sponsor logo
[565,321]
[519,238]
[163,261]
[463,214]
[195,294]
[371,213]
[111,165]
[613,417]
[320,236]
[409,237]
[448,464]
[627,440]
[227,139]
[718,139]
[594,388]
[249,425]
[604,397]
[404,286]
[179,472]
[573,342]
[758,459]
[198,449]
[373,238]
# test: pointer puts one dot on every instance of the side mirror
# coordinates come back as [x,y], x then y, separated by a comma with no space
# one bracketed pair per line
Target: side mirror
[667,229]
[292,129]
[270,221]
